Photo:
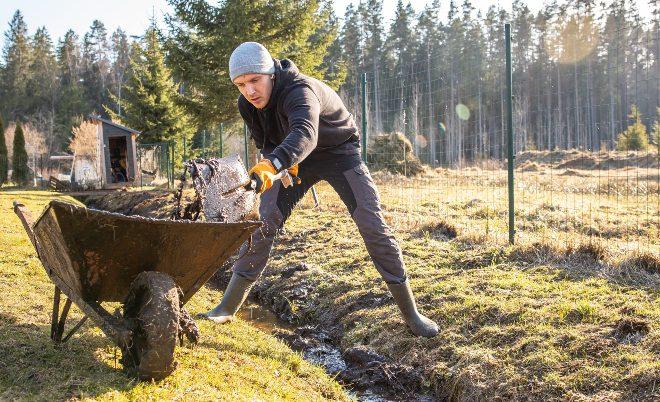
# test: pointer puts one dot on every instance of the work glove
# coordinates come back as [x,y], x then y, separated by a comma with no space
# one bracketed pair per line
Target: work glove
[264,174]
[293,171]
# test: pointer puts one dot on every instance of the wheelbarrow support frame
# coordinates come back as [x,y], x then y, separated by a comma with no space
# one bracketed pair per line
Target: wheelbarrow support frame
[110,325]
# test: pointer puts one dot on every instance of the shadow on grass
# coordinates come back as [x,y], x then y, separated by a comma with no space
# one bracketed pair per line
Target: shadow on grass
[34,367]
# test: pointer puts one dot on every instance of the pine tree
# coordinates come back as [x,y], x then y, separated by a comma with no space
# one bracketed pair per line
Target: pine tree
[43,85]
[372,19]
[149,103]
[634,138]
[4,162]
[327,38]
[202,37]
[96,66]
[20,173]
[352,46]
[655,133]
[16,71]
[71,102]
[120,63]
[401,47]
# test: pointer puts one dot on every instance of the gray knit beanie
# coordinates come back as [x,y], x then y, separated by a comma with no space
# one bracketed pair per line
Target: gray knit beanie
[250,58]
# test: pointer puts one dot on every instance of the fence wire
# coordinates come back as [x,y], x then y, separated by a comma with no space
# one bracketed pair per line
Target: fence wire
[436,135]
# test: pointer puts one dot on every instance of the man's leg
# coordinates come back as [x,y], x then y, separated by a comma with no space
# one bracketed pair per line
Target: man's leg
[358,191]
[275,207]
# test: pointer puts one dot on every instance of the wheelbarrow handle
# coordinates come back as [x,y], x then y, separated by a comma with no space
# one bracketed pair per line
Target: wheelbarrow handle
[25,216]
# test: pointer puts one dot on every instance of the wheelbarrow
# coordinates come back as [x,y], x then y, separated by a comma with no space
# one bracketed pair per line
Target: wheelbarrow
[152,266]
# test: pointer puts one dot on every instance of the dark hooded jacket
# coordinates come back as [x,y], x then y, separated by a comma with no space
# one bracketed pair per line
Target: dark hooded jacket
[303,116]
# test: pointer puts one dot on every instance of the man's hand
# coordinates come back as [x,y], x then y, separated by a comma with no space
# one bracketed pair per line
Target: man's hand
[293,171]
[264,172]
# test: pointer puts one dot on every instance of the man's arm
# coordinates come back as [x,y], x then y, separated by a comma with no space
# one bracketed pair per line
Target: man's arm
[302,108]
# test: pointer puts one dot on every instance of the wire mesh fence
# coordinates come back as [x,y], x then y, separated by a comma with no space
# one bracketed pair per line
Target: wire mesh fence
[584,113]
[227,138]
[28,171]
[155,165]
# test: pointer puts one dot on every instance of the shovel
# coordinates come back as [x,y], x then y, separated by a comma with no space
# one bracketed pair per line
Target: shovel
[225,192]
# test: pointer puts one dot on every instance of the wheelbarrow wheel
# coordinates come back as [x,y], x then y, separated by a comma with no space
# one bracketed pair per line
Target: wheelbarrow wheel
[151,310]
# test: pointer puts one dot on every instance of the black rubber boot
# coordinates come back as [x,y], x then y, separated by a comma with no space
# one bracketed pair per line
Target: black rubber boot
[235,294]
[418,324]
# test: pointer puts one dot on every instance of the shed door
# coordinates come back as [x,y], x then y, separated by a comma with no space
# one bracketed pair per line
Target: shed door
[118,166]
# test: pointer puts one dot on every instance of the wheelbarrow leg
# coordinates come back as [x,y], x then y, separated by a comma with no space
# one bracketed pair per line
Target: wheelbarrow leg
[58,320]
[74,329]
[56,311]
[62,321]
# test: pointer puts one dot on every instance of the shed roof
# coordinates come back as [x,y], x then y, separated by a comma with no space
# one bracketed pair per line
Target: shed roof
[110,122]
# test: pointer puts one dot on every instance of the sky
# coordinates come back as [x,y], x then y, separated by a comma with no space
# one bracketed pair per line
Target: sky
[133,16]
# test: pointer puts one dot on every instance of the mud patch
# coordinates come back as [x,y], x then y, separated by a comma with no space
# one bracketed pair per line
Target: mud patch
[371,375]
[157,204]
[631,330]
[294,298]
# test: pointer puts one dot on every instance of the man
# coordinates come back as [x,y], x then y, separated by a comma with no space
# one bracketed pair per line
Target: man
[301,124]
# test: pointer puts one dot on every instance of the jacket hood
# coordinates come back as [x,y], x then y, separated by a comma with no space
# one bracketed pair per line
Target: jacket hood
[285,72]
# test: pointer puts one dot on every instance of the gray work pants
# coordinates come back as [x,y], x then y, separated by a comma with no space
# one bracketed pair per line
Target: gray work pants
[350,178]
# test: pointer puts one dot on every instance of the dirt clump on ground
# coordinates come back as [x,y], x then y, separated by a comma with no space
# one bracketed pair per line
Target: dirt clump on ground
[586,160]
[631,329]
[157,204]
[394,153]
[441,230]
[528,166]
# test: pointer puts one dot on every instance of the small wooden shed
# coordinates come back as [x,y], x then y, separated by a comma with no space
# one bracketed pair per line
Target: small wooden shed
[117,153]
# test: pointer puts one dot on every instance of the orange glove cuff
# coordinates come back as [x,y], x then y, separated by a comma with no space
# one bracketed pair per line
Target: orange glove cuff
[293,170]
[264,171]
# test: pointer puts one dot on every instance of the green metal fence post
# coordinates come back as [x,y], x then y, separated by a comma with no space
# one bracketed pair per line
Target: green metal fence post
[364,117]
[221,143]
[245,144]
[204,143]
[509,104]
[172,161]
[183,157]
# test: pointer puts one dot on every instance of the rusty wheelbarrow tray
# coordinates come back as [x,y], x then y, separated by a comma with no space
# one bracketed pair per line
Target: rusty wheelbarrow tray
[95,256]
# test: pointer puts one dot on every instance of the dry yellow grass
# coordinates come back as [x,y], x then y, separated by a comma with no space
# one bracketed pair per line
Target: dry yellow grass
[231,363]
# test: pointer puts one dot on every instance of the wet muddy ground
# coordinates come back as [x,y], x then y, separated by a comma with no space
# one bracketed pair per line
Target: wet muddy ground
[367,375]
[280,304]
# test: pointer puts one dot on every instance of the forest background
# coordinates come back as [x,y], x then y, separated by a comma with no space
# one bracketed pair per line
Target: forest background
[580,69]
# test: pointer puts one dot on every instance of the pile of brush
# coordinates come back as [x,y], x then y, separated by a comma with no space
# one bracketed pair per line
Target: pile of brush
[394,153]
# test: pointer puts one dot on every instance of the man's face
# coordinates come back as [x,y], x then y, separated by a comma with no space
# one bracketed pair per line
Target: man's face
[256,88]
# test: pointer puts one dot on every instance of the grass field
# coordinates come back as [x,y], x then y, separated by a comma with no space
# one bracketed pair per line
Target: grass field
[570,312]
[531,321]
[230,363]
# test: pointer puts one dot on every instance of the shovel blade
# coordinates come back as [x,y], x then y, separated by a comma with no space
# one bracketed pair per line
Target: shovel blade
[223,187]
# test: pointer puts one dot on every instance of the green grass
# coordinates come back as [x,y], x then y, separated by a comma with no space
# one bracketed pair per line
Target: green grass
[232,362]
[545,319]
[536,321]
